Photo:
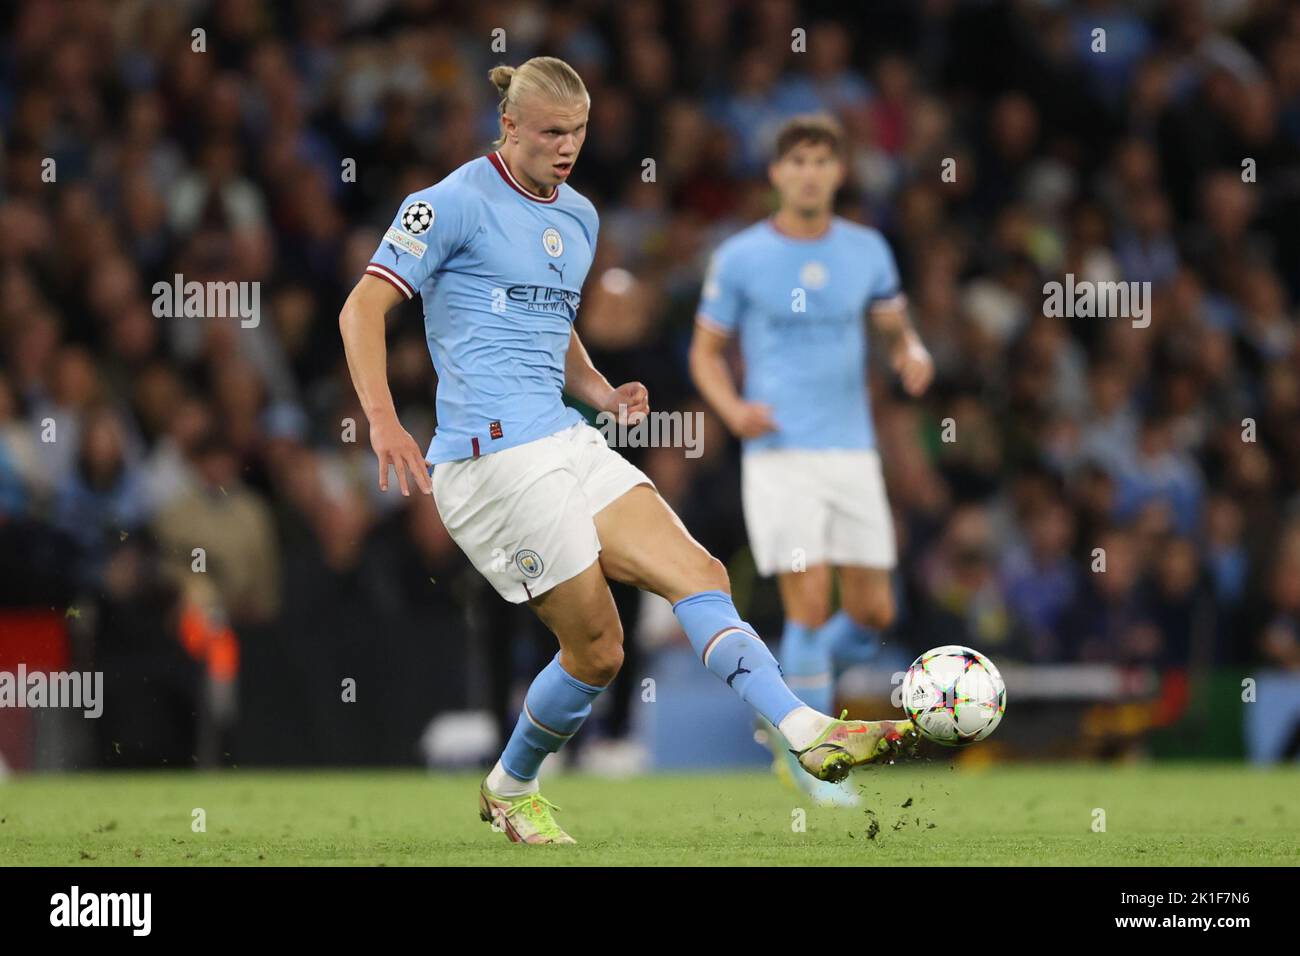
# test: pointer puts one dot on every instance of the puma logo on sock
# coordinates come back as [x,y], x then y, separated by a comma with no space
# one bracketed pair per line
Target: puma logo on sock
[740,669]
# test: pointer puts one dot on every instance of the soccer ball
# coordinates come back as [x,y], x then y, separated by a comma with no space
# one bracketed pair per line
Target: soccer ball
[954,695]
[417,218]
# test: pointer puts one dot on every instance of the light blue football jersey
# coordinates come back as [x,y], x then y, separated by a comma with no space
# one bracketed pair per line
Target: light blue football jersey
[500,273]
[798,306]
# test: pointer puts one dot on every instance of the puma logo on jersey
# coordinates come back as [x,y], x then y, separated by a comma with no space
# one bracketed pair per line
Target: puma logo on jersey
[400,242]
[560,270]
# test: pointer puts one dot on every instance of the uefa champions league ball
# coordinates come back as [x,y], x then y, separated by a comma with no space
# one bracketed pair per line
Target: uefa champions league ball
[954,695]
[417,218]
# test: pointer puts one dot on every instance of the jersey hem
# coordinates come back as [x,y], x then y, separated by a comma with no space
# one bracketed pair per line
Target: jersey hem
[490,446]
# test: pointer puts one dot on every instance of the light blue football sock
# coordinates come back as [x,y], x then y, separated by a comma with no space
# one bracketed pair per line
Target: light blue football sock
[845,641]
[730,648]
[806,663]
[556,705]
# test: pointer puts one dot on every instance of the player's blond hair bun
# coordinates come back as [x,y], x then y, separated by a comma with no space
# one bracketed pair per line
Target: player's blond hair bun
[544,77]
[500,77]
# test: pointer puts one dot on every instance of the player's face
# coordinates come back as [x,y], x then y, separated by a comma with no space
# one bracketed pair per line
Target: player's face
[550,136]
[807,176]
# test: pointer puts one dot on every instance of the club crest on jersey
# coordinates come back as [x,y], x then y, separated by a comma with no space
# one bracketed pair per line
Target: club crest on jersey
[529,563]
[552,243]
[417,217]
[813,275]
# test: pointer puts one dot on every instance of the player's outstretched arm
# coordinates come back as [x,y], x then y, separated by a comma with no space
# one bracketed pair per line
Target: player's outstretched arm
[361,323]
[712,376]
[630,401]
[909,358]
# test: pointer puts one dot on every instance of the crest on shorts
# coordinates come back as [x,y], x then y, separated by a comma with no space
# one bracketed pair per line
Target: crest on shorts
[529,563]
[552,243]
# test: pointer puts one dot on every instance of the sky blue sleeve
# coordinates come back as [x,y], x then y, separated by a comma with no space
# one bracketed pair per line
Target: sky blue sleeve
[885,272]
[721,298]
[593,230]
[430,226]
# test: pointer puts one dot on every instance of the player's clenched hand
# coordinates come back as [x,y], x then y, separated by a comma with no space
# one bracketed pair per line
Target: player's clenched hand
[394,446]
[751,419]
[630,402]
[915,368]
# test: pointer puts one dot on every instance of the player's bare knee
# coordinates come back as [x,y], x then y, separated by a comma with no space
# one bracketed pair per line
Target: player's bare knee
[814,617]
[875,614]
[712,575]
[603,660]
[808,611]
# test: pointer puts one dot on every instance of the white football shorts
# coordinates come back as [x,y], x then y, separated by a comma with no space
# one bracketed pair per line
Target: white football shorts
[523,516]
[805,507]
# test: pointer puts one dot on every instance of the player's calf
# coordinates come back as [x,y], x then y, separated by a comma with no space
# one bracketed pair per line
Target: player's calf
[871,615]
[555,707]
[730,649]
[644,543]
[853,634]
[581,613]
[867,597]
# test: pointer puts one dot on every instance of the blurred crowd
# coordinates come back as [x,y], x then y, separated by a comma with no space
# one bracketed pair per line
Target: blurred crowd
[1049,448]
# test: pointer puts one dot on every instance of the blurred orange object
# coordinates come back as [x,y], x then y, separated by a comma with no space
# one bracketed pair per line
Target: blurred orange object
[213,644]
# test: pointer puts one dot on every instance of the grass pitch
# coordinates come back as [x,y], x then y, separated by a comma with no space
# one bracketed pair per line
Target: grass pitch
[1187,815]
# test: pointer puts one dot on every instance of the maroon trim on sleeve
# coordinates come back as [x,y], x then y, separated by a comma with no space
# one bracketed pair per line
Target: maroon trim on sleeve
[391,277]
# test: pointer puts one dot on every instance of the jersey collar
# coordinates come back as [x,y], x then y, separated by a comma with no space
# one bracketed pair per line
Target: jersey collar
[771,221]
[501,167]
